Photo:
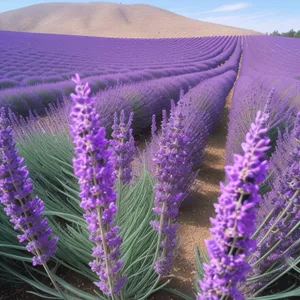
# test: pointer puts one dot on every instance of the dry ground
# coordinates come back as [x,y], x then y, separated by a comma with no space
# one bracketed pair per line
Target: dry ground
[110,20]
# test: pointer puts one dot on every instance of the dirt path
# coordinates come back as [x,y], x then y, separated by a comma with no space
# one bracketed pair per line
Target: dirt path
[194,217]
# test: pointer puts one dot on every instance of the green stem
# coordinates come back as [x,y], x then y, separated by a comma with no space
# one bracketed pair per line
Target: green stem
[36,250]
[49,273]
[277,277]
[161,224]
[265,255]
[266,219]
[105,250]
[279,217]
[234,242]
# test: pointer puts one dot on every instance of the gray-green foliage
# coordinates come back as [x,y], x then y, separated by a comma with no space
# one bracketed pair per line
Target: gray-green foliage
[291,291]
[49,160]
[281,269]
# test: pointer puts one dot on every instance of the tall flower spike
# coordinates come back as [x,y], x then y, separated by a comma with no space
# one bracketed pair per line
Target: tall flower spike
[234,224]
[170,160]
[123,147]
[25,210]
[278,237]
[153,126]
[94,168]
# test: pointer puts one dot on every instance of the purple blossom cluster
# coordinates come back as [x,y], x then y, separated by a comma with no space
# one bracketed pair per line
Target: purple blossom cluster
[94,168]
[171,163]
[203,105]
[123,147]
[16,194]
[149,98]
[234,224]
[279,238]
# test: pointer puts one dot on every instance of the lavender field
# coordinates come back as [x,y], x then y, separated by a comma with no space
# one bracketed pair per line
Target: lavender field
[111,150]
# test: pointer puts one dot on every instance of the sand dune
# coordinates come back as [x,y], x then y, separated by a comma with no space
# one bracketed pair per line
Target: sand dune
[109,20]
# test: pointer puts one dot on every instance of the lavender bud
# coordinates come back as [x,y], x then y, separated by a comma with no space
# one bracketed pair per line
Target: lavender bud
[123,147]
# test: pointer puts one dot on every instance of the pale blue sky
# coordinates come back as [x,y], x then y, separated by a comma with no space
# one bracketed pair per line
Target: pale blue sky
[260,15]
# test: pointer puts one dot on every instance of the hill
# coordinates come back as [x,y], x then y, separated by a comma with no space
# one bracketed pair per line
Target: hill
[110,20]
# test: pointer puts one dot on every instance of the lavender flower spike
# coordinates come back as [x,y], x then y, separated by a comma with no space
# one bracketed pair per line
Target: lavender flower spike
[278,237]
[234,224]
[153,126]
[25,211]
[94,168]
[123,147]
[171,161]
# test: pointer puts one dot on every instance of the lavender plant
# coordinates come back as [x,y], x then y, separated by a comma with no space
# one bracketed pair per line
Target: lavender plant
[23,208]
[94,168]
[123,147]
[48,151]
[278,234]
[171,162]
[235,218]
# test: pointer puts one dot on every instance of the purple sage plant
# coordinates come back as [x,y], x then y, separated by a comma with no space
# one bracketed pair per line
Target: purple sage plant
[123,147]
[234,224]
[16,194]
[171,162]
[95,170]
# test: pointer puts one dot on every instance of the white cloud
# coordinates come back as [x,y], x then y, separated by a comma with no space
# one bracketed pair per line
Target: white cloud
[228,8]
[232,7]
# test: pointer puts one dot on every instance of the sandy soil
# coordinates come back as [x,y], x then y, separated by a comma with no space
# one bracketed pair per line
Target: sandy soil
[110,20]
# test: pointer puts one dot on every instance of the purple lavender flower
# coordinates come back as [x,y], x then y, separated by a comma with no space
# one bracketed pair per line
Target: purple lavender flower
[95,170]
[235,218]
[171,162]
[123,147]
[153,126]
[278,239]
[25,210]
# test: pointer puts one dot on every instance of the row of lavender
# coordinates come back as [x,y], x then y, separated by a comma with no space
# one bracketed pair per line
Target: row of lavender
[175,151]
[206,94]
[248,256]
[40,60]
[22,99]
[268,79]
[128,95]
[268,62]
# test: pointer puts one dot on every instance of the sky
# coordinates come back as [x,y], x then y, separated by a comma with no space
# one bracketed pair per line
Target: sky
[260,15]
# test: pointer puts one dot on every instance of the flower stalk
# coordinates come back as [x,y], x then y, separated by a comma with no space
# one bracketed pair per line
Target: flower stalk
[278,238]
[123,147]
[24,209]
[234,224]
[171,162]
[95,170]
